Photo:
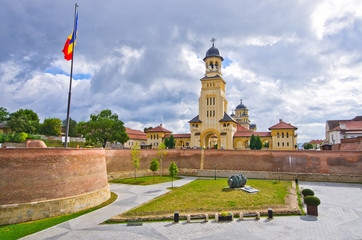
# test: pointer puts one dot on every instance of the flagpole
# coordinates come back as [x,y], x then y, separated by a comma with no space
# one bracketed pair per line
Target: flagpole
[70,81]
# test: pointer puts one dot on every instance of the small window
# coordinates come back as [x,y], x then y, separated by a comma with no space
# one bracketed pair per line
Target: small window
[283,144]
[151,137]
[157,136]
[282,135]
[214,113]
[207,101]
[224,124]
[278,144]
[214,100]
[288,144]
[278,137]
[207,113]
[287,135]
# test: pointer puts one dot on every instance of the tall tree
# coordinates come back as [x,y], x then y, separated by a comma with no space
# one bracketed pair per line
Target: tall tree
[72,127]
[173,170]
[4,114]
[252,142]
[162,153]
[104,127]
[51,127]
[154,166]
[258,143]
[23,120]
[167,142]
[171,142]
[136,157]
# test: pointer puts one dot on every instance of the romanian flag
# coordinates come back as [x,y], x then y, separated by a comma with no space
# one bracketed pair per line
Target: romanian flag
[71,41]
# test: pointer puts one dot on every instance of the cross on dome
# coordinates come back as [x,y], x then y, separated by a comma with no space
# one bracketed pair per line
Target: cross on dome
[213,40]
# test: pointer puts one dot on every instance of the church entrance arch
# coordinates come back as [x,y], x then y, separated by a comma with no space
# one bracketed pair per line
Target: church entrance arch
[209,138]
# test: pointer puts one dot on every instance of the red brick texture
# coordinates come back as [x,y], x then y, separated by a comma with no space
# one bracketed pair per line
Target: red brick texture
[319,162]
[36,174]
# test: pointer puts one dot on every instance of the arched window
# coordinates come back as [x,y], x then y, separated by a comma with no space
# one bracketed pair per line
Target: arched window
[283,144]
[211,65]
[151,137]
[207,113]
[288,144]
[207,101]
[287,135]
[224,124]
[216,65]
[214,100]
[214,113]
[278,137]
[282,135]
[157,136]
[278,144]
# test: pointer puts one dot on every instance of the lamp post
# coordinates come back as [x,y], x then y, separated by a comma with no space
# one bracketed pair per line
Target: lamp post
[215,170]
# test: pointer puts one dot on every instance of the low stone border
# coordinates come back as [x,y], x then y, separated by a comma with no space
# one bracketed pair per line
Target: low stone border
[24,212]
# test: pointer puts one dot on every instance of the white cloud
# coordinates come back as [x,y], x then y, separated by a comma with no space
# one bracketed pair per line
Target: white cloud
[332,16]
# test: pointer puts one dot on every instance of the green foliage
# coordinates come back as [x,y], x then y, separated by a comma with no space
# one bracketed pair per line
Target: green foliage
[308,146]
[147,128]
[4,114]
[173,170]
[31,136]
[24,120]
[51,127]
[161,153]
[266,144]
[307,192]
[104,127]
[258,143]
[225,214]
[312,201]
[72,127]
[167,142]
[18,137]
[136,157]
[154,166]
[171,142]
[252,142]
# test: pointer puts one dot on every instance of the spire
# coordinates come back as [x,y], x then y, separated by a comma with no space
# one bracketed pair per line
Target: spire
[213,40]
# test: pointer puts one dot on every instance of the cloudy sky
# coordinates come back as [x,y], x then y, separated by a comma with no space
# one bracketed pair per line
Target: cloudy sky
[300,60]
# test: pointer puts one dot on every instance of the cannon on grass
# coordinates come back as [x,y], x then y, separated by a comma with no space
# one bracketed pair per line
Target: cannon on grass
[236,181]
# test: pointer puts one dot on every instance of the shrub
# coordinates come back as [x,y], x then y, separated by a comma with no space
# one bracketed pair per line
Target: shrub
[307,192]
[312,201]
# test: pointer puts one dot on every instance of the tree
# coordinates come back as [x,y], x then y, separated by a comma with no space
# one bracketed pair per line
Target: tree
[173,170]
[104,127]
[154,166]
[266,144]
[258,143]
[51,127]
[167,142]
[72,127]
[23,120]
[161,153]
[147,128]
[252,142]
[308,146]
[171,142]
[136,157]
[4,114]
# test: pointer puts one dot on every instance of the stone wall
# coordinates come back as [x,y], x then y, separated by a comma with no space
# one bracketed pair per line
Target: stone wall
[308,165]
[42,179]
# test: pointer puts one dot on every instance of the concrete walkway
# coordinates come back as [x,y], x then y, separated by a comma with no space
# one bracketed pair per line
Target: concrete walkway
[340,217]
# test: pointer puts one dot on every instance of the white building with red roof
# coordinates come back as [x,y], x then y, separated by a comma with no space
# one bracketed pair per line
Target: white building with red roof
[337,130]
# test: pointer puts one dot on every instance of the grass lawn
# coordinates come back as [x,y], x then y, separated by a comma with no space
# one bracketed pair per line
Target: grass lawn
[145,180]
[16,231]
[208,196]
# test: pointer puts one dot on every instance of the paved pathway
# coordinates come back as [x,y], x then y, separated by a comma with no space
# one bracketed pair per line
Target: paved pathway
[340,217]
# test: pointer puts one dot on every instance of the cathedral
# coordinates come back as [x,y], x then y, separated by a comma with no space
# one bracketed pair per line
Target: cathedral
[213,127]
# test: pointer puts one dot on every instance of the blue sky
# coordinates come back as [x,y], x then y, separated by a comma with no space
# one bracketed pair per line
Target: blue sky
[300,61]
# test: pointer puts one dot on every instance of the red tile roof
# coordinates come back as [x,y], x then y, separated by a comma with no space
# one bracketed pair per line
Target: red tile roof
[136,134]
[248,134]
[316,141]
[354,125]
[283,125]
[158,129]
[240,128]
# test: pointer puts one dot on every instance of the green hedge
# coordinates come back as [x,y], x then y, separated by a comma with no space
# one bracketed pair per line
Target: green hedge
[312,201]
[307,192]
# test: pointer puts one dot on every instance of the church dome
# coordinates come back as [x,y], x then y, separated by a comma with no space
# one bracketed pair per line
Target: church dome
[213,52]
[241,106]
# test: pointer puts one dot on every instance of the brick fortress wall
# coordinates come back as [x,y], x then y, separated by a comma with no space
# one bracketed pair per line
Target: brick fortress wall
[48,182]
[304,165]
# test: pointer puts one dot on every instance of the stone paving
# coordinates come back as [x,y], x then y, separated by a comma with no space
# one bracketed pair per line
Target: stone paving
[340,217]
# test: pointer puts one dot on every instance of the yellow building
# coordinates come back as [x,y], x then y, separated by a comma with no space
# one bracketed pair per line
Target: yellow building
[214,128]
[213,124]
[136,137]
[155,136]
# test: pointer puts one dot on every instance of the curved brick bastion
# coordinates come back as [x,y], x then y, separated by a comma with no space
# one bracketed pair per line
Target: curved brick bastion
[47,182]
